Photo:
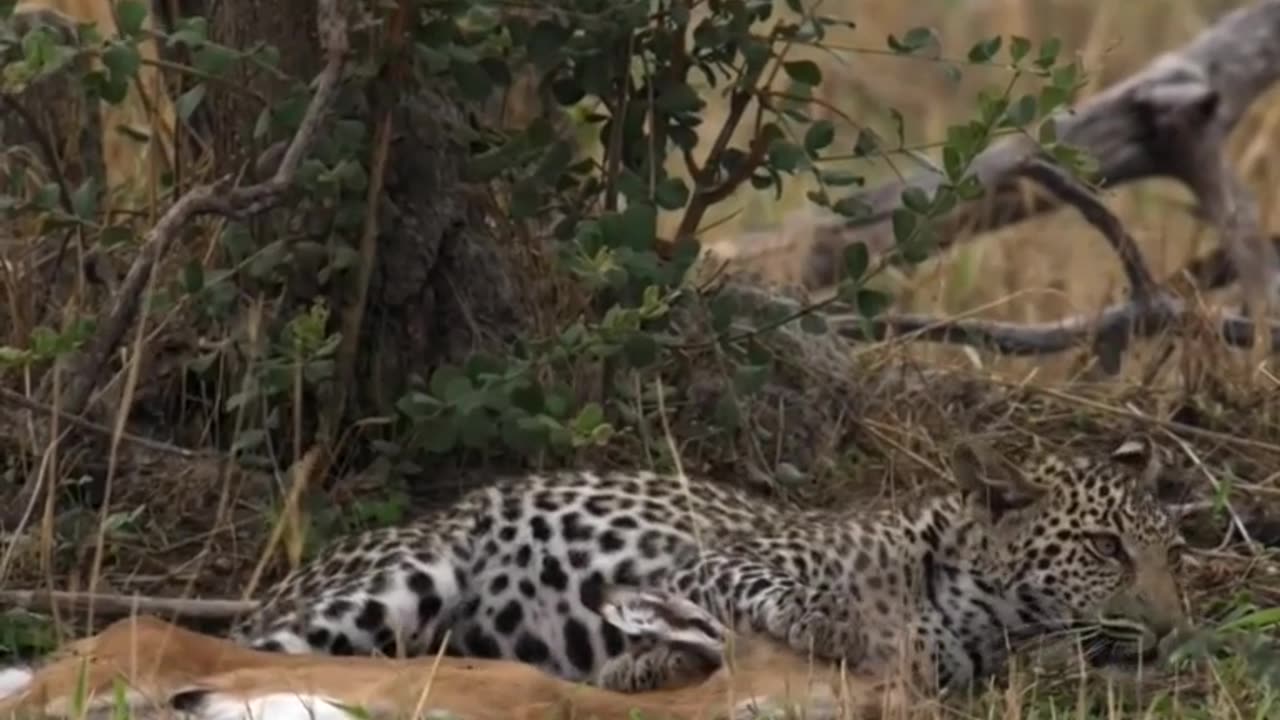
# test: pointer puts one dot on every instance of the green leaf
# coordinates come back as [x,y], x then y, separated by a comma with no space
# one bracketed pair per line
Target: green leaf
[190,31]
[472,81]
[457,390]
[639,226]
[84,200]
[868,142]
[819,135]
[803,71]
[439,436]
[122,60]
[1052,97]
[671,193]
[679,97]
[213,59]
[904,225]
[839,178]
[640,350]
[188,101]
[785,156]
[1023,112]
[985,50]
[727,414]
[852,207]
[1048,132]
[916,200]
[476,429]
[1018,48]
[555,161]
[952,163]
[523,434]
[130,15]
[442,378]
[872,303]
[857,258]
[916,38]
[813,323]
[750,379]
[1049,53]
[632,186]
[588,418]
[921,246]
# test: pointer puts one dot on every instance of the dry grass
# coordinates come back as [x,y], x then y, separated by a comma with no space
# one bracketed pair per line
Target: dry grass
[193,525]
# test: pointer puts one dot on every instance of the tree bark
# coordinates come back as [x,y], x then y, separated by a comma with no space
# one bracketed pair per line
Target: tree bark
[440,286]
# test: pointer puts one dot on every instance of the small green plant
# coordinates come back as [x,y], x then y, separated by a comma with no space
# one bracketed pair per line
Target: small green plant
[24,635]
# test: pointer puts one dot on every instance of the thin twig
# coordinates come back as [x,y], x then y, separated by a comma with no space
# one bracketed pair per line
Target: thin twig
[1254,548]
[9,396]
[218,198]
[111,604]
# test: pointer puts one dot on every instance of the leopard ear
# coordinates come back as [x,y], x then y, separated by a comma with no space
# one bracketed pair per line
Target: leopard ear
[1140,452]
[989,481]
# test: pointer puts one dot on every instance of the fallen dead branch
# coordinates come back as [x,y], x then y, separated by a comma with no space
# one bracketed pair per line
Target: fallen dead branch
[1150,309]
[1171,119]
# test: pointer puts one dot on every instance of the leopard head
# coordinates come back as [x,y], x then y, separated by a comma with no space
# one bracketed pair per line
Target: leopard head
[1084,544]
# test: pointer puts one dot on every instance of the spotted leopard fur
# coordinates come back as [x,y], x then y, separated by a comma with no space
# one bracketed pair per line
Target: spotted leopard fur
[519,569]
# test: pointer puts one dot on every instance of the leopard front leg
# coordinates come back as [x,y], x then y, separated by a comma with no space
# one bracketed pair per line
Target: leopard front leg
[661,667]
[672,642]
[737,583]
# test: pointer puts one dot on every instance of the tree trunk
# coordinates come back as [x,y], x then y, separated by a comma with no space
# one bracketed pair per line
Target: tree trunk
[443,283]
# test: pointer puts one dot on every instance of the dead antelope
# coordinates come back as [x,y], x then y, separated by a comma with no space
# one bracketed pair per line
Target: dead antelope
[162,668]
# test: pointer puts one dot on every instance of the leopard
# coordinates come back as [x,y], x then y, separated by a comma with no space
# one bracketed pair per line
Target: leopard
[948,588]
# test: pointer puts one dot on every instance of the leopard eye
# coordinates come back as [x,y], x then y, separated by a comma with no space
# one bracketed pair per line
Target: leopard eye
[1107,545]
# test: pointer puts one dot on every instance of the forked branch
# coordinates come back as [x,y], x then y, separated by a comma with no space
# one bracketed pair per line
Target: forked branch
[217,197]
[1150,309]
[1142,284]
